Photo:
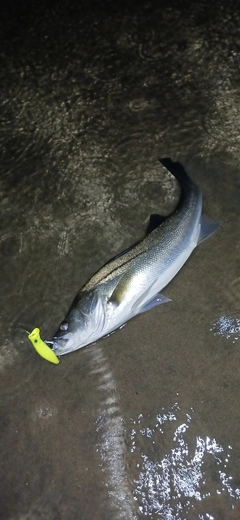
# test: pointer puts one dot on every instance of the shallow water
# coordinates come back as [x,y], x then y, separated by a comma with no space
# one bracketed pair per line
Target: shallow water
[144,424]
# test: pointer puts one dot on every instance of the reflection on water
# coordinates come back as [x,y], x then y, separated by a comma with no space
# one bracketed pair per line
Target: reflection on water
[227,327]
[112,452]
[111,445]
[189,477]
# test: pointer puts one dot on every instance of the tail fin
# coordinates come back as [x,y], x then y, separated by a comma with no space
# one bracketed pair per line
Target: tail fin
[177,170]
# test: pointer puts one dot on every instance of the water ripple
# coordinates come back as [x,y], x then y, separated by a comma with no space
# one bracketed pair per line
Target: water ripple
[188,477]
[227,327]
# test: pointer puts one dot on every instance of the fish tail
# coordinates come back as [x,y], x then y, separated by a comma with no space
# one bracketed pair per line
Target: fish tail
[177,170]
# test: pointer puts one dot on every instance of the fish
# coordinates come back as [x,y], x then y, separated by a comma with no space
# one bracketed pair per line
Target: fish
[131,283]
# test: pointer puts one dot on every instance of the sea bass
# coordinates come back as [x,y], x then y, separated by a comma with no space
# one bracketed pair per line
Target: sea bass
[130,283]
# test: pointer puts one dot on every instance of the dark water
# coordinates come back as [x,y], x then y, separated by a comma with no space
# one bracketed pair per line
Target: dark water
[144,424]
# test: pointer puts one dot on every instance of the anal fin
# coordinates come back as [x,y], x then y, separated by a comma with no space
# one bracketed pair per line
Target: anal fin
[208,227]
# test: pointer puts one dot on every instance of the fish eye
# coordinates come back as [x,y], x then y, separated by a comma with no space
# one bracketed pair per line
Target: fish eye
[64,326]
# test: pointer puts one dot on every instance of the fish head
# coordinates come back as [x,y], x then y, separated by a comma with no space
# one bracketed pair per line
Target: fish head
[83,324]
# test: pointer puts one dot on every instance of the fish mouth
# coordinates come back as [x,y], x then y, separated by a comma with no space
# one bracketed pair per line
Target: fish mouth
[59,345]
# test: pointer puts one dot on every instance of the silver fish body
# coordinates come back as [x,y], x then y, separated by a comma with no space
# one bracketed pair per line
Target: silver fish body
[131,283]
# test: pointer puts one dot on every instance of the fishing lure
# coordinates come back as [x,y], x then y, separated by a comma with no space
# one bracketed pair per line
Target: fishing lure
[42,349]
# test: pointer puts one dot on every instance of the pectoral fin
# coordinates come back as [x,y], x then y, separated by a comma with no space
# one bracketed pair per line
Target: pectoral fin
[121,290]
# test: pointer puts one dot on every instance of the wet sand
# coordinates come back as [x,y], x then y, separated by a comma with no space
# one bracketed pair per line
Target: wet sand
[144,424]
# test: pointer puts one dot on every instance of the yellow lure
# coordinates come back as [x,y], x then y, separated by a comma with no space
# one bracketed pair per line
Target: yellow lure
[42,349]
